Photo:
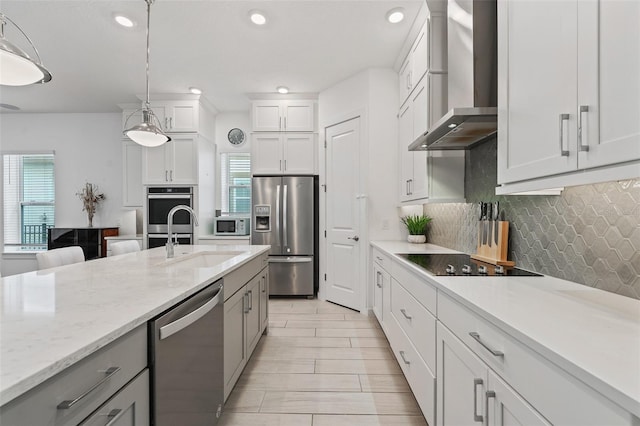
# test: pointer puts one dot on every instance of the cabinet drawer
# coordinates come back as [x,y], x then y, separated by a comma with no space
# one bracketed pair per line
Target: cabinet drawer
[416,321]
[417,286]
[421,379]
[39,406]
[236,279]
[130,406]
[381,258]
[538,380]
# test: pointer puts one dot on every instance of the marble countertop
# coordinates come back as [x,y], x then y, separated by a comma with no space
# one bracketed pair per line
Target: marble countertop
[52,318]
[590,333]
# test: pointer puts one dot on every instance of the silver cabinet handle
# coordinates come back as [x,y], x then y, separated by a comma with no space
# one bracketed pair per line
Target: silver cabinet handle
[582,130]
[114,415]
[285,165]
[250,293]
[245,303]
[292,259]
[184,322]
[405,314]
[166,123]
[285,204]
[278,214]
[171,122]
[280,125]
[403,358]
[109,372]
[488,394]
[410,186]
[476,337]
[563,118]
[166,175]
[379,258]
[378,276]
[285,123]
[280,166]
[171,175]
[354,238]
[476,417]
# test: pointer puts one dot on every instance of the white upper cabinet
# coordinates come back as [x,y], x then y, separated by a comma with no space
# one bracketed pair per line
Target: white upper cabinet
[283,116]
[174,162]
[177,116]
[404,79]
[283,154]
[420,54]
[568,96]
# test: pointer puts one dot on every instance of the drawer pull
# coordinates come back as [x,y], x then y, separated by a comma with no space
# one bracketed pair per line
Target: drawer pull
[64,405]
[403,358]
[378,279]
[114,415]
[476,337]
[488,394]
[405,314]
[476,417]
[379,258]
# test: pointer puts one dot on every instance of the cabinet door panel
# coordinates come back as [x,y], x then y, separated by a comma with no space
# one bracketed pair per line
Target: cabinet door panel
[299,154]
[266,154]
[508,408]
[298,116]
[154,169]
[235,354]
[609,82]
[403,79]
[253,314]
[405,131]
[264,299]
[420,54]
[380,279]
[184,166]
[462,381]
[537,70]
[184,118]
[267,116]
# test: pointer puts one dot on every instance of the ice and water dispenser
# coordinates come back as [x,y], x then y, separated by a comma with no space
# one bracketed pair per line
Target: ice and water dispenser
[262,214]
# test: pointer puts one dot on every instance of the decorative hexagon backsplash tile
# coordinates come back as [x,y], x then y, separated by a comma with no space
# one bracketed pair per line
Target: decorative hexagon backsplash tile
[589,234]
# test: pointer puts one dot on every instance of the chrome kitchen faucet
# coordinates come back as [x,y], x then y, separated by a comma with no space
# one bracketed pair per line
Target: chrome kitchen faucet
[171,244]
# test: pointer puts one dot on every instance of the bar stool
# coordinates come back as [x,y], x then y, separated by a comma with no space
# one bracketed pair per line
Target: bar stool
[58,257]
[123,247]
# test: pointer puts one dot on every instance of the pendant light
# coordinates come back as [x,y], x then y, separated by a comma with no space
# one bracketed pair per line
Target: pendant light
[148,133]
[17,68]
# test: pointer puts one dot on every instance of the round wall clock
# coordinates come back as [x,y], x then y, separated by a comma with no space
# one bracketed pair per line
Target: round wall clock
[236,136]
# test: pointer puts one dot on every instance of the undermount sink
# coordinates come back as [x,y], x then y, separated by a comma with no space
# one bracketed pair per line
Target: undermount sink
[201,259]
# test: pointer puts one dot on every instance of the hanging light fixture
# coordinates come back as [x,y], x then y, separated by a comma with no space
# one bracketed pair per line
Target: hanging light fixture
[149,132]
[16,66]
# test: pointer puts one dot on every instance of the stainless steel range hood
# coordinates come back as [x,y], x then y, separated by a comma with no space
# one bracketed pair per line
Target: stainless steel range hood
[472,79]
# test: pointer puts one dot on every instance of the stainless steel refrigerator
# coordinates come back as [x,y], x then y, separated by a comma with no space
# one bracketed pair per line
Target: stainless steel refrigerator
[285,217]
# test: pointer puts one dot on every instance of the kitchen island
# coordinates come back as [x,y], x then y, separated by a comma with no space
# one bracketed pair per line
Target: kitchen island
[561,352]
[52,319]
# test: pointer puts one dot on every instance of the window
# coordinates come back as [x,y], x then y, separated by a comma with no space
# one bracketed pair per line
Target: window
[28,198]
[235,178]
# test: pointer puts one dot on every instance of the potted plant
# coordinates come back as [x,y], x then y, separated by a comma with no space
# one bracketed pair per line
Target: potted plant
[417,226]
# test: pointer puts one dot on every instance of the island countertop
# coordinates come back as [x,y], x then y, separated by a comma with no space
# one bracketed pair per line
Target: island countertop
[52,318]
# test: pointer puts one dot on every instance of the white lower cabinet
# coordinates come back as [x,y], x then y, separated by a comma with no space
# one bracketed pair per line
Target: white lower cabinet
[245,317]
[505,407]
[381,286]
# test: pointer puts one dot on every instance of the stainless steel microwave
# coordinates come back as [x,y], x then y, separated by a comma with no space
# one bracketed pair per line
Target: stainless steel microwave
[227,225]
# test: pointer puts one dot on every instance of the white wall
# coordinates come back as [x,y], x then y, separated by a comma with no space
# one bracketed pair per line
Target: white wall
[224,122]
[88,148]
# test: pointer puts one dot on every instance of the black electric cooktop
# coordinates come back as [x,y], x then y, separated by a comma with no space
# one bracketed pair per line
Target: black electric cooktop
[462,265]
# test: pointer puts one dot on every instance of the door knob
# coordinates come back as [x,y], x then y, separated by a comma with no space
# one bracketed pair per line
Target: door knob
[356,238]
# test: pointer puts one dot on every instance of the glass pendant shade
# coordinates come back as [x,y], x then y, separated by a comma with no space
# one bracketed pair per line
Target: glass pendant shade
[147,133]
[16,67]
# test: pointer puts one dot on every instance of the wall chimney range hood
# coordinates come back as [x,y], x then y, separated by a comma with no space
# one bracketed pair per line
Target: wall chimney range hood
[472,79]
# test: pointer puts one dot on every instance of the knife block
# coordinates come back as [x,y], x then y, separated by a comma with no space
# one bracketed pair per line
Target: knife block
[496,254]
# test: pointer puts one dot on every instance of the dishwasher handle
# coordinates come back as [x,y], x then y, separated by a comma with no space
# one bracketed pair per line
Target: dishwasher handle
[184,322]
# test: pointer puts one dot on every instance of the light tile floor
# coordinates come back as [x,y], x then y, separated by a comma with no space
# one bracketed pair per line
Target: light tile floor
[321,365]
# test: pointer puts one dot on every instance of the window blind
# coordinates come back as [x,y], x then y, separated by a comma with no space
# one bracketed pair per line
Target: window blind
[29,198]
[235,171]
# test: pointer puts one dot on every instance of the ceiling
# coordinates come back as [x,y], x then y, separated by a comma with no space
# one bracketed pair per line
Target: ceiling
[307,45]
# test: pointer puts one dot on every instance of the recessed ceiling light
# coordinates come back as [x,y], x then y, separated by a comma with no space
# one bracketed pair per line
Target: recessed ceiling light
[124,21]
[257,17]
[282,89]
[424,145]
[195,90]
[395,15]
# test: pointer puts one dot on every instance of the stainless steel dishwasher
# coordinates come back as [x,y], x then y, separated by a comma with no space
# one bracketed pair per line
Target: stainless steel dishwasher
[186,358]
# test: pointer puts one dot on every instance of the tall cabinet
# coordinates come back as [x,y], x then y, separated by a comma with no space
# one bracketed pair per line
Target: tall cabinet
[569,96]
[284,139]
[423,101]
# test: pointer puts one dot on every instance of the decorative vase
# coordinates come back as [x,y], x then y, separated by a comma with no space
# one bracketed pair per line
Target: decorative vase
[90,216]
[417,239]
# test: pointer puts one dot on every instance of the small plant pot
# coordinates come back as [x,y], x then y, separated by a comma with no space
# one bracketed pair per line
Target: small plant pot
[417,239]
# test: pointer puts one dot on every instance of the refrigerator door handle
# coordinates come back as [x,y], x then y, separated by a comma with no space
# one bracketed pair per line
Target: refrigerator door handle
[291,260]
[277,215]
[284,218]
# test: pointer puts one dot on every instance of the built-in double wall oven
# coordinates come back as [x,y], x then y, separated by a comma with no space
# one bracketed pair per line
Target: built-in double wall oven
[160,200]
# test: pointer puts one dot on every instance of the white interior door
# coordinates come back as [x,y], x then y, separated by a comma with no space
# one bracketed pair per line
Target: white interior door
[343,284]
